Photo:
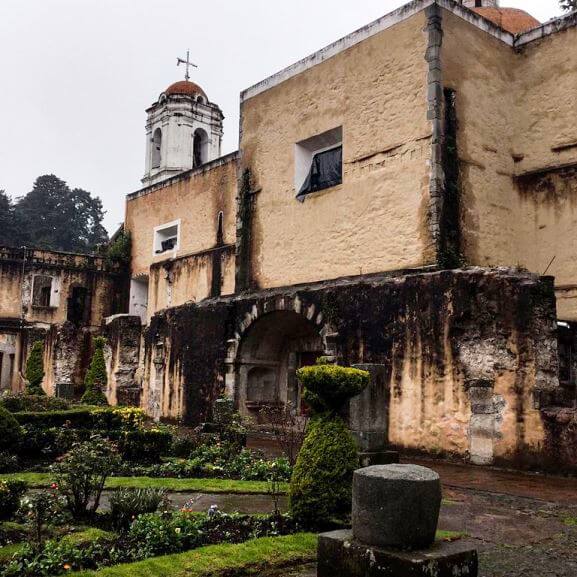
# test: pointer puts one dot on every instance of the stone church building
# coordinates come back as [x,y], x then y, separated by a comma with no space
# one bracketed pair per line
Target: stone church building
[403,200]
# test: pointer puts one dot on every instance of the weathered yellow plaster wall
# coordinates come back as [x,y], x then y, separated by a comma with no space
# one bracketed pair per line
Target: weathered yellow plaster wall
[374,221]
[515,108]
[478,67]
[546,138]
[194,198]
[189,279]
[10,292]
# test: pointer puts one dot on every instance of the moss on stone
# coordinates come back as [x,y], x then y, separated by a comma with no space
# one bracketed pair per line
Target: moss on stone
[321,485]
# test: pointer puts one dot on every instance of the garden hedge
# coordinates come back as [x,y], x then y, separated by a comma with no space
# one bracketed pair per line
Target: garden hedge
[10,431]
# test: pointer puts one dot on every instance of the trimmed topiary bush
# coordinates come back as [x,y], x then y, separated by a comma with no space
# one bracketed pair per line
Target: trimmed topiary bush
[35,369]
[328,387]
[10,431]
[96,376]
[321,484]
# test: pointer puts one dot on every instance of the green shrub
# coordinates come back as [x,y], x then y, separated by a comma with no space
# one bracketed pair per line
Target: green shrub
[10,431]
[41,509]
[12,532]
[82,473]
[10,495]
[146,445]
[321,484]
[118,251]
[96,377]
[329,387]
[35,369]
[32,403]
[87,550]
[8,462]
[104,419]
[153,535]
[127,504]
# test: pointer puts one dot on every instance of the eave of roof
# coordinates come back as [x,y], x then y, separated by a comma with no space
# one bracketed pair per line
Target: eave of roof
[397,16]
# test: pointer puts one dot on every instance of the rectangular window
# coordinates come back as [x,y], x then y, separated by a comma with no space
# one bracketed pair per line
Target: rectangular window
[319,162]
[45,292]
[166,237]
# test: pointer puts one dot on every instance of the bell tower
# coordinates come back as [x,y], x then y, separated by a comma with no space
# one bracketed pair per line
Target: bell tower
[183,131]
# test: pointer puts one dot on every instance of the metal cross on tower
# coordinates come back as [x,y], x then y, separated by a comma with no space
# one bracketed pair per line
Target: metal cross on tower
[187,63]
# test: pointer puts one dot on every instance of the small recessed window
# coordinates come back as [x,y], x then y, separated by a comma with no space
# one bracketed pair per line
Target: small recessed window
[319,162]
[166,237]
[45,292]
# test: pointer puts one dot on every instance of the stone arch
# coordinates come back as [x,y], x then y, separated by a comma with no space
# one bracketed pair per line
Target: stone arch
[271,342]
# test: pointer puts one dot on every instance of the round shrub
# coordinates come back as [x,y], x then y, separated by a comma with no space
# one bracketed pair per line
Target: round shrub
[329,387]
[321,484]
[10,431]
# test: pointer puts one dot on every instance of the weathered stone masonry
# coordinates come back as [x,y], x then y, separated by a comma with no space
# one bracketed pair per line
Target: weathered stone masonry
[469,355]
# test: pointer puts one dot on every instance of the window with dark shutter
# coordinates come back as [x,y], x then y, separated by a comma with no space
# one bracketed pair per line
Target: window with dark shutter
[326,171]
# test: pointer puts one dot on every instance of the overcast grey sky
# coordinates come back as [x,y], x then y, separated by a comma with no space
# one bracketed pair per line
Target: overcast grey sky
[77,75]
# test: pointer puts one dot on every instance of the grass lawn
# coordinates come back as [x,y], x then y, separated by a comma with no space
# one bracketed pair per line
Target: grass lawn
[250,558]
[40,480]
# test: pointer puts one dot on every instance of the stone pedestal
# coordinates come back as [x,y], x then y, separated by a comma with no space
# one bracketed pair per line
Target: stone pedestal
[395,515]
[396,506]
[340,555]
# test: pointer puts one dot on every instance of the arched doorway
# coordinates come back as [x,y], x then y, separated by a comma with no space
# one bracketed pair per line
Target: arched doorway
[269,354]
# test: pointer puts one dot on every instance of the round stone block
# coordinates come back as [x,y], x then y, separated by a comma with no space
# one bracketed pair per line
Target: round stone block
[396,506]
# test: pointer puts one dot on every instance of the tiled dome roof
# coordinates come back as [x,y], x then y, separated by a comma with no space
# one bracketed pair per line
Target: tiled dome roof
[185,87]
[510,19]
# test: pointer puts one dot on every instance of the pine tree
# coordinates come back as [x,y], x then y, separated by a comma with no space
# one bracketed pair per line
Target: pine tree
[96,376]
[35,369]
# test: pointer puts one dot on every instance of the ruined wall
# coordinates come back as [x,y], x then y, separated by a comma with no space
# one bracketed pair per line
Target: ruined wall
[468,355]
[196,198]
[122,352]
[105,286]
[377,219]
[10,293]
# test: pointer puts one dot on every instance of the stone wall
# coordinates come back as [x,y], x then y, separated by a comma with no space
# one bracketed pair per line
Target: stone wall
[517,148]
[123,344]
[378,218]
[469,356]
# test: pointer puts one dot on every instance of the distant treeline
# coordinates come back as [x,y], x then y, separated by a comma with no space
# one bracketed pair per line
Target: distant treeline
[52,216]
